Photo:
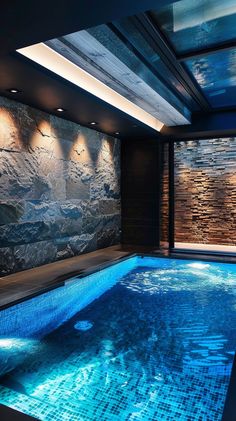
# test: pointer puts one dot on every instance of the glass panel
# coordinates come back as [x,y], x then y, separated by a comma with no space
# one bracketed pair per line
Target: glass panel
[216,74]
[129,30]
[197,24]
[101,53]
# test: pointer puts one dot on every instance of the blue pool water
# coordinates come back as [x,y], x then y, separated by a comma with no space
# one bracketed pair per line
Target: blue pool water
[146,339]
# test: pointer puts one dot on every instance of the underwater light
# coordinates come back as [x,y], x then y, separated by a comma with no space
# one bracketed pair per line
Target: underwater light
[17,343]
[197,265]
[6,343]
[13,351]
[83,325]
[12,342]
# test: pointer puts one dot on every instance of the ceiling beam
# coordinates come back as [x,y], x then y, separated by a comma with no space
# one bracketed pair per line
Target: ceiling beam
[159,44]
[23,23]
[61,66]
[206,51]
[204,125]
[124,37]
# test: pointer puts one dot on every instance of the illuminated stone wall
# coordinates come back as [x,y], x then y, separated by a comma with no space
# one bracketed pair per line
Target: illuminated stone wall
[59,188]
[205,191]
[165,196]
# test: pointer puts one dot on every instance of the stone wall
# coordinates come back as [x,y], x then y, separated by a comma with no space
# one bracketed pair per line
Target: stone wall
[59,188]
[205,191]
[165,196]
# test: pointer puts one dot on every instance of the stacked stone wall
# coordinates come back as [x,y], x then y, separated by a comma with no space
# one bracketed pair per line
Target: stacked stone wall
[165,196]
[205,191]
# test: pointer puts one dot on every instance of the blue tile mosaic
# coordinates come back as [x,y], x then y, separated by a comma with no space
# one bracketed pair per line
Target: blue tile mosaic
[154,341]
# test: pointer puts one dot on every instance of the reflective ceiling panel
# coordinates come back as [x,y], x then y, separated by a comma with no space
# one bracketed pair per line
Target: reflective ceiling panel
[192,25]
[127,27]
[100,52]
[216,75]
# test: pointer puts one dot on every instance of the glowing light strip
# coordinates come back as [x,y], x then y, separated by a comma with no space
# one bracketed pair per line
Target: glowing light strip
[46,57]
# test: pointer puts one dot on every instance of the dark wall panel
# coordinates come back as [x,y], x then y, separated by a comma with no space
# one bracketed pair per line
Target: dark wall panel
[140,187]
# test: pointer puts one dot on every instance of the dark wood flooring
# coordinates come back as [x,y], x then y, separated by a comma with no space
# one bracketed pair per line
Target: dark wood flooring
[22,285]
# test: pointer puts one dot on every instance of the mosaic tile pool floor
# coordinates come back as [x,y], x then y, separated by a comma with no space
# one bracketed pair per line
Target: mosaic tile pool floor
[158,345]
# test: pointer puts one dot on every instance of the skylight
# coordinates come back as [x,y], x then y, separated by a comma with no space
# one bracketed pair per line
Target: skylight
[55,62]
[99,61]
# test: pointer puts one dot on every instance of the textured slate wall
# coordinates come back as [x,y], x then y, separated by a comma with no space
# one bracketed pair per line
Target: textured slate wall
[59,188]
[205,191]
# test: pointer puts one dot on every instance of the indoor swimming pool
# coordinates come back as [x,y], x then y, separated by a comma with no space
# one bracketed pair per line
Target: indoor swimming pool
[149,339]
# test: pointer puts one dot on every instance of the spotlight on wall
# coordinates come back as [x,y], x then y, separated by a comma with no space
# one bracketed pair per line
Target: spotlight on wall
[60,110]
[13,91]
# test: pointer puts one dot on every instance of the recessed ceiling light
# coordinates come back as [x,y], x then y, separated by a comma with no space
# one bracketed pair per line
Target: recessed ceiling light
[117,132]
[93,123]
[13,91]
[60,110]
[55,62]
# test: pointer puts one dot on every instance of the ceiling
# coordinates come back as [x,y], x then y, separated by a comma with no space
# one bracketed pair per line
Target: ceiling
[24,23]
[202,34]
[102,53]
[177,62]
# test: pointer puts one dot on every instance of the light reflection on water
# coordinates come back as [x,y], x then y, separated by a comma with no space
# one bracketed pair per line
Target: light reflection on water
[156,346]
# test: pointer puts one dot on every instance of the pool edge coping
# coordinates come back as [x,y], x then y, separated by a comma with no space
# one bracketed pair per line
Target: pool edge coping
[62,280]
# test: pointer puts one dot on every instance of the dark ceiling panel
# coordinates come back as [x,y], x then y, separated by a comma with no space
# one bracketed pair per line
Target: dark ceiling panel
[23,23]
[26,22]
[215,124]
[46,91]
[208,50]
